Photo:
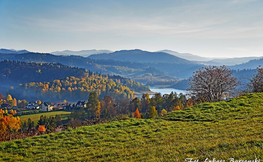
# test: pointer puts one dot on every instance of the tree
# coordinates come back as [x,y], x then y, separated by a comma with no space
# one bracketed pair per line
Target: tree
[135,104]
[189,103]
[163,112]
[137,114]
[98,110]
[211,83]
[41,128]
[256,83]
[153,112]
[108,107]
[9,99]
[15,102]
[92,104]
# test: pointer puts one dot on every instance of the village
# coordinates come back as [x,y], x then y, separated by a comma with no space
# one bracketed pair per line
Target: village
[38,106]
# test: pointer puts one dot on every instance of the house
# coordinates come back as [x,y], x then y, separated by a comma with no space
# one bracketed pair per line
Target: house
[33,105]
[60,105]
[46,107]
[81,104]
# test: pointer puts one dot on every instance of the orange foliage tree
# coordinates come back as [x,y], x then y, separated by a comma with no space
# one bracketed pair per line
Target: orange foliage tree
[41,128]
[9,123]
[137,114]
[177,108]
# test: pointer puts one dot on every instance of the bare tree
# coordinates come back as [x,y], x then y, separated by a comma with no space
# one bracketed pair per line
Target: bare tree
[256,83]
[212,83]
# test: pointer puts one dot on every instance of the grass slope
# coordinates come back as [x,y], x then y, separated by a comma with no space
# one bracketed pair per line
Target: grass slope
[35,117]
[223,130]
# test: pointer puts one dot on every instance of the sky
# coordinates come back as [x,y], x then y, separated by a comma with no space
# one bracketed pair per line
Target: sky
[208,28]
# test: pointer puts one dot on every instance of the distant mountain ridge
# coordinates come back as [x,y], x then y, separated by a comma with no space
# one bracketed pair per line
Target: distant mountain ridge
[251,64]
[84,53]
[140,56]
[211,61]
[229,61]
[12,51]
[186,56]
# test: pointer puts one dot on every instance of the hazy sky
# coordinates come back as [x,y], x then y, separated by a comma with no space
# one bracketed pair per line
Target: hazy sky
[211,28]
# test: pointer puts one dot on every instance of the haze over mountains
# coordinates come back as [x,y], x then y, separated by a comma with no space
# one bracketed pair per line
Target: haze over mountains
[140,56]
[146,67]
[118,55]
[211,60]
[84,53]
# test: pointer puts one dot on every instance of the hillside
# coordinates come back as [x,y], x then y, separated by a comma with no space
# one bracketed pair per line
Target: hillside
[23,72]
[125,69]
[222,130]
[13,73]
[252,64]
[74,89]
[140,56]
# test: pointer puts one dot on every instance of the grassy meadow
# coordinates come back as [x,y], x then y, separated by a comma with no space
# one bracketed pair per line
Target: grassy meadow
[35,117]
[221,130]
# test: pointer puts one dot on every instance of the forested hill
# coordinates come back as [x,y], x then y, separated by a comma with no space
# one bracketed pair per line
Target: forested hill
[13,73]
[252,64]
[127,69]
[140,56]
[75,89]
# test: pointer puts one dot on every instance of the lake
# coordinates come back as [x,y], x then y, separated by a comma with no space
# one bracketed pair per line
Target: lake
[167,90]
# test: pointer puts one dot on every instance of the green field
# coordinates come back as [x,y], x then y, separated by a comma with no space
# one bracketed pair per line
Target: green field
[223,130]
[35,117]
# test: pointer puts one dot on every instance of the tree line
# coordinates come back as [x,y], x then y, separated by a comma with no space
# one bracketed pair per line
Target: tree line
[74,89]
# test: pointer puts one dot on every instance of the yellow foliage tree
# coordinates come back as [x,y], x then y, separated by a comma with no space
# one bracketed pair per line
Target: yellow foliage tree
[14,123]
[153,112]
[163,112]
[12,112]
[9,123]
[98,110]
[9,98]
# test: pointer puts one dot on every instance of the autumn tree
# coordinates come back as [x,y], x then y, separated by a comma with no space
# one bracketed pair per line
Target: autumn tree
[189,103]
[9,123]
[137,114]
[163,112]
[98,110]
[211,83]
[153,112]
[41,128]
[15,102]
[9,100]
[108,107]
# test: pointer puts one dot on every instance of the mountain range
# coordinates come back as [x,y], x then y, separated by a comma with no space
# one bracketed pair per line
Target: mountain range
[143,66]
[12,51]
[140,56]
[84,53]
